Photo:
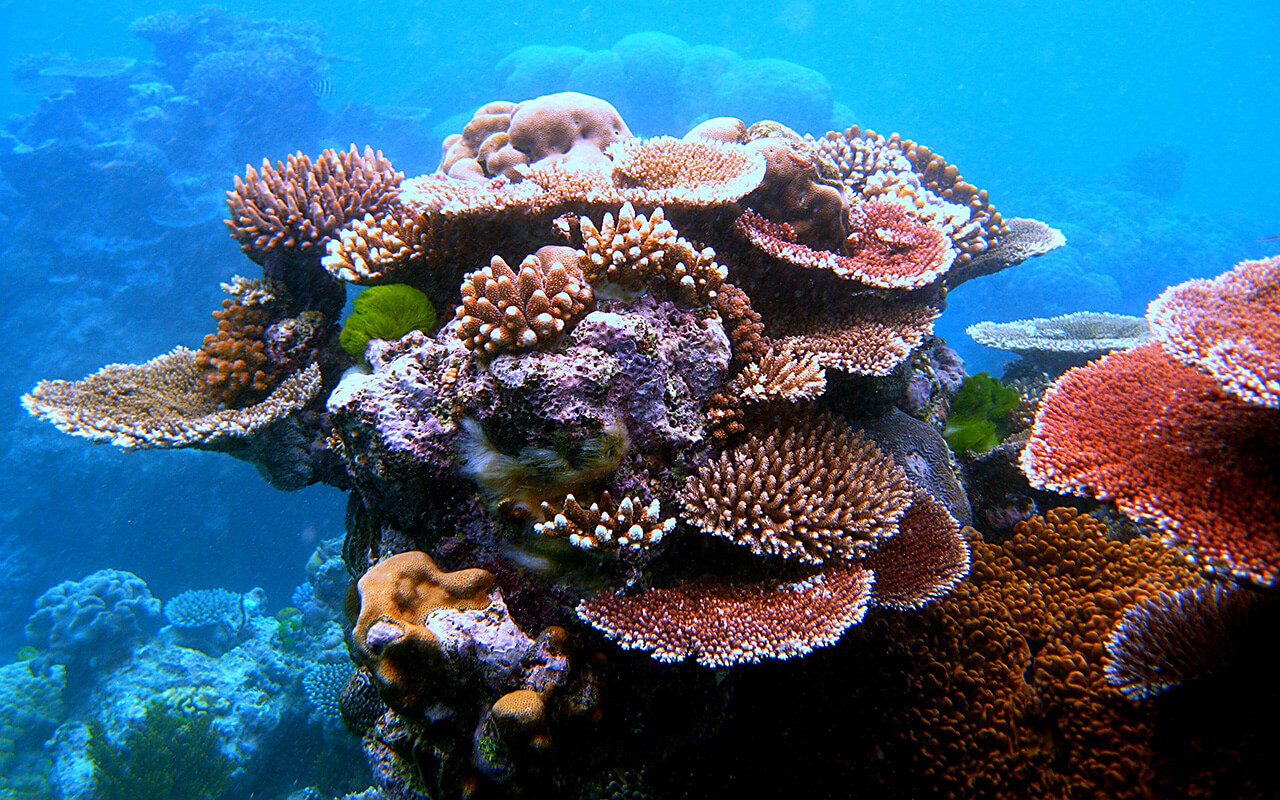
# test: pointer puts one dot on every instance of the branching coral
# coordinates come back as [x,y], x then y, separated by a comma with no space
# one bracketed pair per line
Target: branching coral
[299,204]
[645,386]
[809,490]
[504,309]
[234,360]
[604,524]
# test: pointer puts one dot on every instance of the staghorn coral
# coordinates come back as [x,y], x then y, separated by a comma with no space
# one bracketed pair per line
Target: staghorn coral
[725,624]
[628,252]
[1228,326]
[162,403]
[1170,639]
[1172,448]
[810,490]
[783,375]
[370,247]
[504,309]
[299,204]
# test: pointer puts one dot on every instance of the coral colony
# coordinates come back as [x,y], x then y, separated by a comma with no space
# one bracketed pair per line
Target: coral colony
[665,416]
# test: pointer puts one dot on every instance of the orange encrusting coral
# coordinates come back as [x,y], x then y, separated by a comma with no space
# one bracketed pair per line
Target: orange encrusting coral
[391,638]
[1000,689]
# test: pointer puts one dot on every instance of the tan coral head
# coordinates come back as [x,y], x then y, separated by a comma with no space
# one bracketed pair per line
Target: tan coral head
[391,638]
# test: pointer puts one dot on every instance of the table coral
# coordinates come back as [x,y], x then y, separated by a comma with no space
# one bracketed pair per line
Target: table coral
[160,403]
[724,624]
[1172,447]
[1177,637]
[1228,326]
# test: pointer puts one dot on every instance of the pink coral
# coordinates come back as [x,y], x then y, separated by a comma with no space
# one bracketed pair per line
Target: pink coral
[1166,443]
[1228,326]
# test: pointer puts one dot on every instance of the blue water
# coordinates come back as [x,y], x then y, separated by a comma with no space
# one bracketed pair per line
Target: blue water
[1146,132]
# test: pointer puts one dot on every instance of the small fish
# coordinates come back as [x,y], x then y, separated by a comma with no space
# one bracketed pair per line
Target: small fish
[321,87]
[1274,238]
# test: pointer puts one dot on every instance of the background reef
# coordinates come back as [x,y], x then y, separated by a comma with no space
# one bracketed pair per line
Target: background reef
[1137,138]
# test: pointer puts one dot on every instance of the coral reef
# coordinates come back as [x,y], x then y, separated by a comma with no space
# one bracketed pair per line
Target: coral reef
[663,418]
[1174,447]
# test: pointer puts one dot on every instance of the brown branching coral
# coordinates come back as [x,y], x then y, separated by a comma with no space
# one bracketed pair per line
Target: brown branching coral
[1003,693]
[299,204]
[629,251]
[781,374]
[724,624]
[811,490]
[234,360]
[504,309]
[163,403]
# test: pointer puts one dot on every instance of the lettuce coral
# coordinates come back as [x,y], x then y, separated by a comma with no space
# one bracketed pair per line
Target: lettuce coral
[386,312]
